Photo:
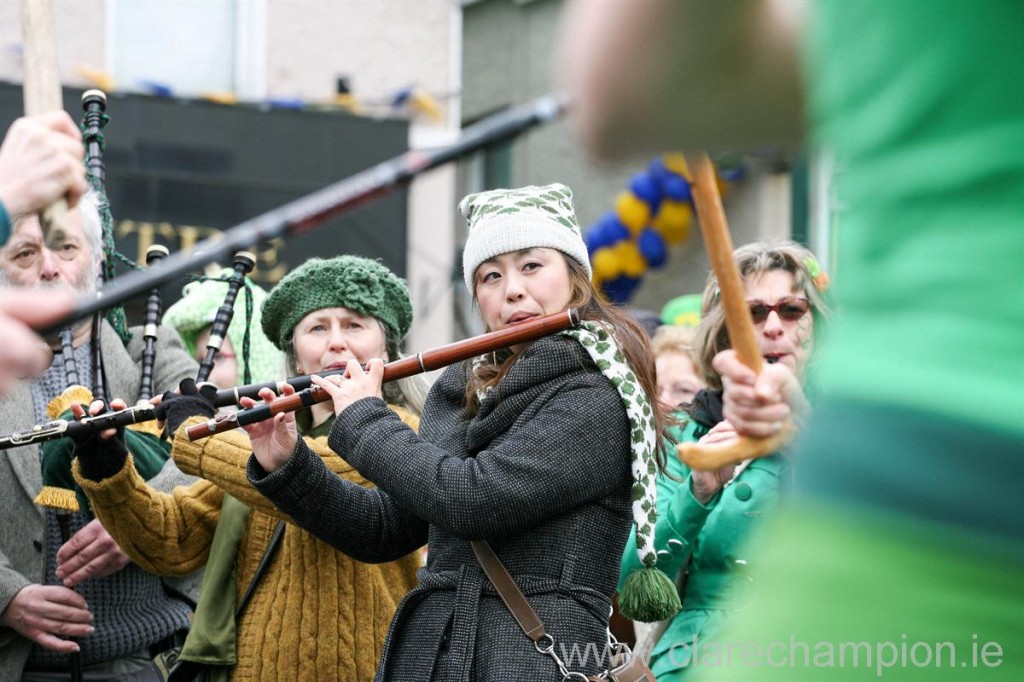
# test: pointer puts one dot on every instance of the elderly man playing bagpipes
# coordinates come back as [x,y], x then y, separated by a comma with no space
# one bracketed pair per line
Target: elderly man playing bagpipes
[50,609]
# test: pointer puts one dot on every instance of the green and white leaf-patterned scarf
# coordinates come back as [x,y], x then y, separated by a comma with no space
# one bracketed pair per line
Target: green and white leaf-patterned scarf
[647,594]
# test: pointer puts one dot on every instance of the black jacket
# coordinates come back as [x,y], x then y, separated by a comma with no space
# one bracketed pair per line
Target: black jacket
[542,473]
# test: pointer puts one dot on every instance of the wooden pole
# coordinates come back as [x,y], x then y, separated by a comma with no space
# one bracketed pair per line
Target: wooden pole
[42,92]
[715,230]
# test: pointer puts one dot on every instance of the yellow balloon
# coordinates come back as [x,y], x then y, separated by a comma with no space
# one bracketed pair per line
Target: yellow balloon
[676,234]
[605,264]
[676,163]
[673,214]
[633,212]
[673,221]
[631,261]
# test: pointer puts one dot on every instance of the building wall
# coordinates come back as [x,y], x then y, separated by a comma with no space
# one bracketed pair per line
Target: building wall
[80,28]
[382,47]
[510,49]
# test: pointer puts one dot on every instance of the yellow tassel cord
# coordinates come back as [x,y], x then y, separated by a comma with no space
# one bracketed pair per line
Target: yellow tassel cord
[57,498]
[63,402]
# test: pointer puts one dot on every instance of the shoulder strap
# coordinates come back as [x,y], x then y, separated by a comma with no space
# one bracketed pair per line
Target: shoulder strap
[268,554]
[509,592]
[626,665]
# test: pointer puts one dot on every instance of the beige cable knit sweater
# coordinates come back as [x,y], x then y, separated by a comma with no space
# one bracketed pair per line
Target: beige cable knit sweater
[316,614]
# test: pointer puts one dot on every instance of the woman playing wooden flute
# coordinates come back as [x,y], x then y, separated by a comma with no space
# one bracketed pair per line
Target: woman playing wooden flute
[316,613]
[533,448]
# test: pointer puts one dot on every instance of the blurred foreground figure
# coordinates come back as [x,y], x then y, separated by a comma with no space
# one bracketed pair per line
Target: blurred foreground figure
[907,521]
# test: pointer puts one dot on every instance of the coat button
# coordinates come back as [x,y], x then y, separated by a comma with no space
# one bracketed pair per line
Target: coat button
[38,545]
[743,492]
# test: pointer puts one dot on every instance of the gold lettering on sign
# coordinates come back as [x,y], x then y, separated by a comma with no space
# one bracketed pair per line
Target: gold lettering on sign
[269,267]
[145,233]
[188,235]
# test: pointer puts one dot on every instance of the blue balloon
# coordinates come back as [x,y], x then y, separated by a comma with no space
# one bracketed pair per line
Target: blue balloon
[676,188]
[657,168]
[401,97]
[605,232]
[615,229]
[653,248]
[620,289]
[646,188]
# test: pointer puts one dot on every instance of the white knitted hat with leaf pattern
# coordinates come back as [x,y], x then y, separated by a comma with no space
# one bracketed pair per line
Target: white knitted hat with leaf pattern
[506,220]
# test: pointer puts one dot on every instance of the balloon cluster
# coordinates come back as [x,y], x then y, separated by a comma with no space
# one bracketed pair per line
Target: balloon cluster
[655,212]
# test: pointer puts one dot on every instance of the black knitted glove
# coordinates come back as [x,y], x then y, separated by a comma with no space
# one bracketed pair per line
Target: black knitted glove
[175,408]
[100,458]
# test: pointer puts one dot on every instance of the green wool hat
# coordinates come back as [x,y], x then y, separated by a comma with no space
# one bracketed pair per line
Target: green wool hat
[352,282]
[506,220]
[682,311]
[197,310]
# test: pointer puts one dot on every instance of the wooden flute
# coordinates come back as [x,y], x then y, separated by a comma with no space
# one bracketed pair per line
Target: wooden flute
[425,361]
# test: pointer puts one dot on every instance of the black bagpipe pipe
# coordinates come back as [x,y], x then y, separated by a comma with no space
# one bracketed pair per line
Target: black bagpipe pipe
[310,211]
[243,264]
[67,349]
[154,310]
[94,119]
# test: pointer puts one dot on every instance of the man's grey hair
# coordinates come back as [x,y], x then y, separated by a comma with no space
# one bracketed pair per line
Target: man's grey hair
[92,225]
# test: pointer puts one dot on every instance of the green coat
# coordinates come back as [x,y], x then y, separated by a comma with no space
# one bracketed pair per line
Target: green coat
[712,535]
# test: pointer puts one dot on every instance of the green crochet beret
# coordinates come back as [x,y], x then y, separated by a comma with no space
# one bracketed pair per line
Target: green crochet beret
[352,282]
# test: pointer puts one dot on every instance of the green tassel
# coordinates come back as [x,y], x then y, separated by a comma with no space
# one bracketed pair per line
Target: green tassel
[648,596]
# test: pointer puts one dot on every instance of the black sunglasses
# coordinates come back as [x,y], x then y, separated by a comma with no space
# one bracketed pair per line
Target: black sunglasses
[791,309]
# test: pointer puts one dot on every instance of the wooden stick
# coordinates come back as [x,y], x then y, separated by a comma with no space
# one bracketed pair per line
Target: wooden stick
[42,93]
[715,229]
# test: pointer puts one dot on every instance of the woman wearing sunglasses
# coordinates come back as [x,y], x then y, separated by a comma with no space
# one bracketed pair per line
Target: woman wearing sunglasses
[705,517]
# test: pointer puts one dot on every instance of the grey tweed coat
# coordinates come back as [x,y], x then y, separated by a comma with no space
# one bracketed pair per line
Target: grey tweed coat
[542,473]
[22,534]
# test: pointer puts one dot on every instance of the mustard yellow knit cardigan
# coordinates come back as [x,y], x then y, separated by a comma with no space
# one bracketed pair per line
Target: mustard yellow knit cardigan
[316,614]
